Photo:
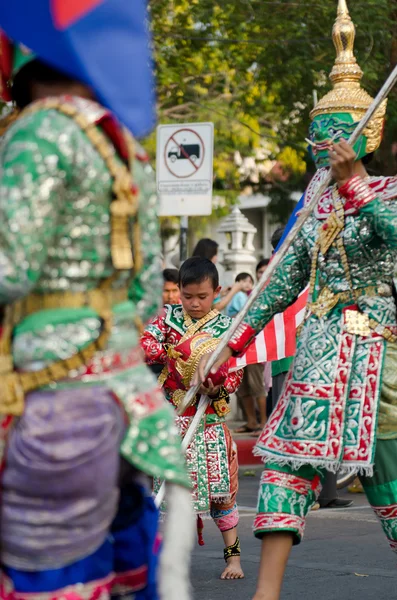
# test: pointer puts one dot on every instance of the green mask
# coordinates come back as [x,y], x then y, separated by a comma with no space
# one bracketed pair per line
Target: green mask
[336,126]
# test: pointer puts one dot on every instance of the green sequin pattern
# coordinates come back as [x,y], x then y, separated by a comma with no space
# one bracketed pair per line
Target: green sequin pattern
[55,193]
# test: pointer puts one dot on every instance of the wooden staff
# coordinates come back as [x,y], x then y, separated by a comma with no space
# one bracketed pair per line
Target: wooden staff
[278,257]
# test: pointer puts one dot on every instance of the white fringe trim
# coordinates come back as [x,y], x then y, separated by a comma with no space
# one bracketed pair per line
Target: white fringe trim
[179,536]
[351,468]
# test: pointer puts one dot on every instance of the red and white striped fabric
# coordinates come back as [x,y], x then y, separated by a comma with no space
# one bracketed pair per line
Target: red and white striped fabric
[278,339]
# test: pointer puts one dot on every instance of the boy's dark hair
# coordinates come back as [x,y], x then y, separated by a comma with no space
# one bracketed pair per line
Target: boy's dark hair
[242,276]
[35,71]
[171,276]
[262,263]
[276,237]
[206,248]
[197,270]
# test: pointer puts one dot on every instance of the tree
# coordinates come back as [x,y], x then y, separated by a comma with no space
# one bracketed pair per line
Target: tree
[251,67]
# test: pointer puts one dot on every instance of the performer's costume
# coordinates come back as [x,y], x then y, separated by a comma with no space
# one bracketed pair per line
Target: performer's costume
[79,272]
[338,406]
[177,341]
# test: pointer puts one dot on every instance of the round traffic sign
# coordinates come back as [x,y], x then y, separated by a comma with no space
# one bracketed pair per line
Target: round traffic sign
[184,153]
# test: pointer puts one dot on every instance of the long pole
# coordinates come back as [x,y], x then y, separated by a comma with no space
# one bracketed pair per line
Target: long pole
[305,213]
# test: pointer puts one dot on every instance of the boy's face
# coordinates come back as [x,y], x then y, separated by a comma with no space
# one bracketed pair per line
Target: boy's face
[170,293]
[197,298]
[248,284]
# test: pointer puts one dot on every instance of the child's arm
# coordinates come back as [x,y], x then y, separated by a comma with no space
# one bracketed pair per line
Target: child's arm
[223,302]
[153,340]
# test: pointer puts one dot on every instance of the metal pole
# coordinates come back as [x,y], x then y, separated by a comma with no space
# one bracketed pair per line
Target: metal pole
[183,239]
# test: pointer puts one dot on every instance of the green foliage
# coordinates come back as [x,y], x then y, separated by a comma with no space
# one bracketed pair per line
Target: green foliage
[251,66]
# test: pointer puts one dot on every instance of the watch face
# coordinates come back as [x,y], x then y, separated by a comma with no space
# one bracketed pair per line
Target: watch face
[329,128]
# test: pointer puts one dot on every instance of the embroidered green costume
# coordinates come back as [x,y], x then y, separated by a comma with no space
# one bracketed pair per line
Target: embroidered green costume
[78,281]
[211,457]
[338,408]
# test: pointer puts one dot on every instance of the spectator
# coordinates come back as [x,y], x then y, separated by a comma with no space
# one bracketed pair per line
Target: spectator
[207,248]
[171,287]
[252,392]
[261,267]
[247,283]
[170,296]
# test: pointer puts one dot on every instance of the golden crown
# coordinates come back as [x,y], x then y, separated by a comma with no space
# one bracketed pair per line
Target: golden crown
[347,94]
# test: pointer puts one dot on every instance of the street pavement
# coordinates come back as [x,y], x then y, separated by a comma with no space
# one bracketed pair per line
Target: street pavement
[344,555]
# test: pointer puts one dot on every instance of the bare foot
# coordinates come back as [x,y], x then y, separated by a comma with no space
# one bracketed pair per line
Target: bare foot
[233,569]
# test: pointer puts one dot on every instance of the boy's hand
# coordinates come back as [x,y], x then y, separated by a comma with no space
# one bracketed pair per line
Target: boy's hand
[199,376]
[238,286]
[342,158]
[211,390]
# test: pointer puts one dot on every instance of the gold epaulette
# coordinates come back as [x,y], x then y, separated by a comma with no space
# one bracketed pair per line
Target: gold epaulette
[124,207]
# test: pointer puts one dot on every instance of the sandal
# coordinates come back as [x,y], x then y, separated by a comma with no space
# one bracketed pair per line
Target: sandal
[256,433]
[245,429]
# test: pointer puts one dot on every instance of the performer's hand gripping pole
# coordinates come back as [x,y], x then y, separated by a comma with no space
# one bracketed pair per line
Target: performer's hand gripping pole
[278,257]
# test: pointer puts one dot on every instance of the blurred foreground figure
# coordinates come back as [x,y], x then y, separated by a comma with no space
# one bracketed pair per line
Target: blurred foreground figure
[84,425]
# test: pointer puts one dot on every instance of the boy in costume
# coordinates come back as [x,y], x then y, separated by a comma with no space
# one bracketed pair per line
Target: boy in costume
[82,423]
[338,405]
[177,339]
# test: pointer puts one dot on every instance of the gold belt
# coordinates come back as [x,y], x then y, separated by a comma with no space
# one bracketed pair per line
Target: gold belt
[14,386]
[327,300]
[98,299]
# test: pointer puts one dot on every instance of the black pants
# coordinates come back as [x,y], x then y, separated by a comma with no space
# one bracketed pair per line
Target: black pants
[329,492]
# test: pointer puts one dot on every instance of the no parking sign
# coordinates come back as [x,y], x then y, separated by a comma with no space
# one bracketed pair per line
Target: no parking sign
[185,168]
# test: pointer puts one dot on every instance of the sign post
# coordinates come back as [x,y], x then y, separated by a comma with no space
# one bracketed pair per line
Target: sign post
[185,172]
[183,239]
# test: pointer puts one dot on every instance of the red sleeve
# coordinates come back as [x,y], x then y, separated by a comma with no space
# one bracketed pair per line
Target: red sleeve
[357,193]
[233,381]
[153,340]
[241,339]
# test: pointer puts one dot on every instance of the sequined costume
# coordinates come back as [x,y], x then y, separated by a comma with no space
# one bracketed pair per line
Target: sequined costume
[211,457]
[338,405]
[72,520]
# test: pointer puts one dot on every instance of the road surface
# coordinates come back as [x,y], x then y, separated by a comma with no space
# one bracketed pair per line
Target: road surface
[344,556]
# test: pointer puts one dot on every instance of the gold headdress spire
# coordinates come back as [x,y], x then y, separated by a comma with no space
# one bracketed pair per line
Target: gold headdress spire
[347,95]
[346,69]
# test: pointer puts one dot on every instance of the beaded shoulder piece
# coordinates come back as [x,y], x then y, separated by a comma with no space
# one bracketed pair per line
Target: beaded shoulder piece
[125,203]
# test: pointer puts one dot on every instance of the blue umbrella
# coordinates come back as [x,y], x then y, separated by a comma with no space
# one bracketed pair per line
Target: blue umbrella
[103,43]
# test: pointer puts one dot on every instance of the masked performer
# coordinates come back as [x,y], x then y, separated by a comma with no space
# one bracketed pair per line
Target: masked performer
[83,423]
[177,339]
[338,405]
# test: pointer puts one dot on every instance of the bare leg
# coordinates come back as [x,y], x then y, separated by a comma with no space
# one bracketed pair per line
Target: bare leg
[262,410]
[249,407]
[233,568]
[276,548]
